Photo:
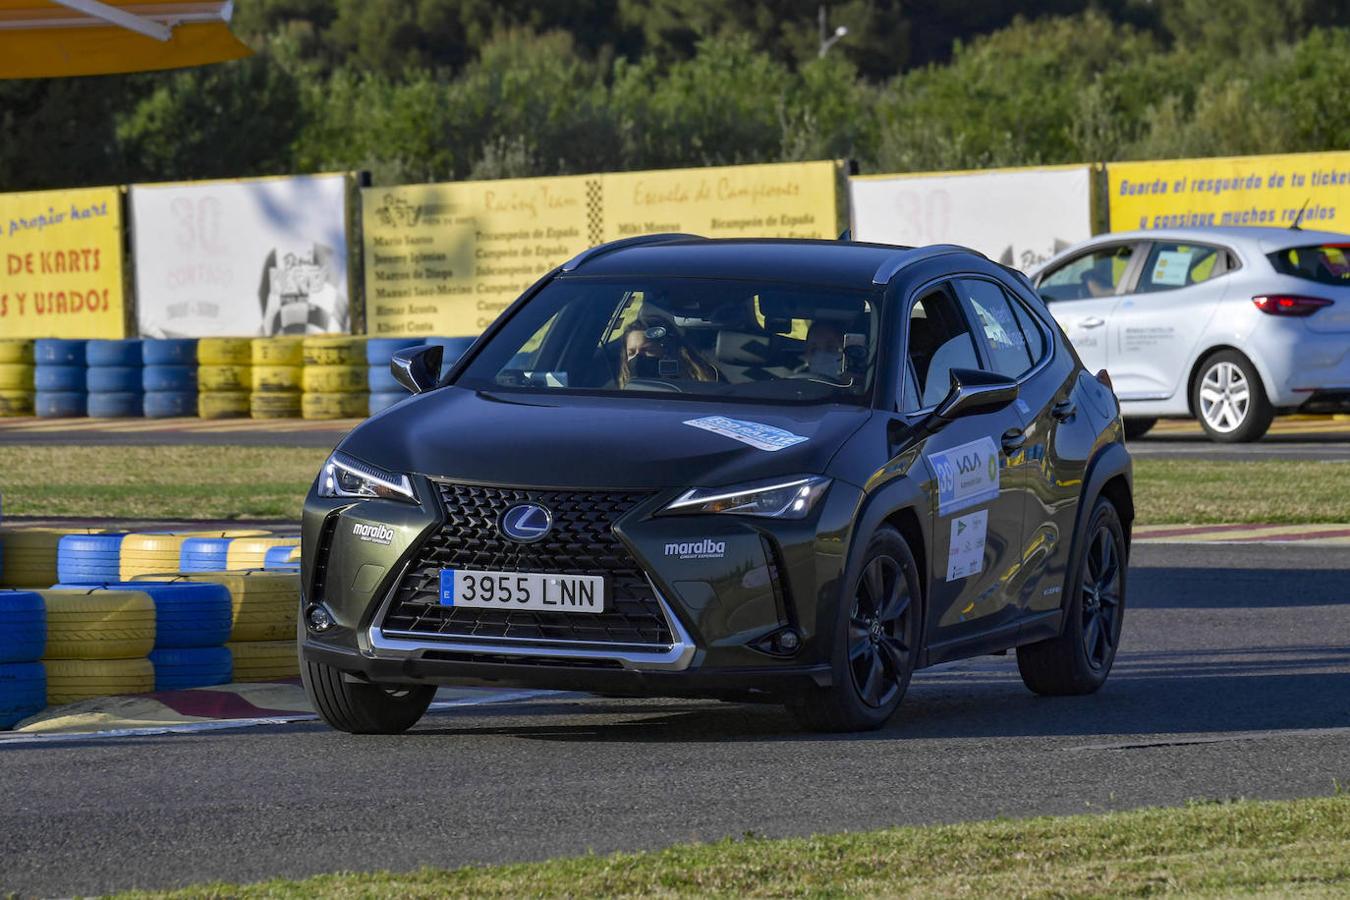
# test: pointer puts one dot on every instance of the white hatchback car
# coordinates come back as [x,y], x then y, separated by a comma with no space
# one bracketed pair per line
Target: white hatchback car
[1227,325]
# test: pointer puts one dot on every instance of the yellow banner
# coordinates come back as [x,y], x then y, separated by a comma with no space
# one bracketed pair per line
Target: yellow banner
[1237,190]
[446,259]
[61,264]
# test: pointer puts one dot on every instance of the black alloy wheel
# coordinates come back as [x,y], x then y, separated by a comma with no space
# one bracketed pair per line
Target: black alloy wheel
[879,654]
[1101,591]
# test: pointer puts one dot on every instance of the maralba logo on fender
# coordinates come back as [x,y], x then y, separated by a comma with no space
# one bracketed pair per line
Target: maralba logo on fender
[704,549]
[374,534]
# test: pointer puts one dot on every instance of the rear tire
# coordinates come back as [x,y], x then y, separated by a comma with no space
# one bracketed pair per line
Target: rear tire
[1229,399]
[1137,428]
[359,708]
[876,643]
[1078,661]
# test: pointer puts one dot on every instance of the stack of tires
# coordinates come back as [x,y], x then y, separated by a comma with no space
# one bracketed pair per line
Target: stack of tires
[282,559]
[113,379]
[384,390]
[98,643]
[232,552]
[28,556]
[169,378]
[164,555]
[334,380]
[16,378]
[224,377]
[276,378]
[59,379]
[89,558]
[23,637]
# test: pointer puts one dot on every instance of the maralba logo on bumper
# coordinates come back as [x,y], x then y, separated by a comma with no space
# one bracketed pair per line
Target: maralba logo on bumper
[375,534]
[704,549]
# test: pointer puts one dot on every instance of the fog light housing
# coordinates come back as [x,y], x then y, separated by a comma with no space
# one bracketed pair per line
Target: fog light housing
[318,619]
[783,642]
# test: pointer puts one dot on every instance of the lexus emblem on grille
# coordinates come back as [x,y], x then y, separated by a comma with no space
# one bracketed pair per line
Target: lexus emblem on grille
[526,523]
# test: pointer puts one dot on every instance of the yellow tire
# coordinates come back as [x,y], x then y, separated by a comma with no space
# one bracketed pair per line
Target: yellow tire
[277,351]
[334,406]
[15,350]
[28,555]
[251,552]
[265,660]
[334,380]
[72,680]
[223,404]
[16,403]
[16,377]
[266,604]
[99,624]
[225,378]
[224,352]
[276,379]
[334,350]
[274,406]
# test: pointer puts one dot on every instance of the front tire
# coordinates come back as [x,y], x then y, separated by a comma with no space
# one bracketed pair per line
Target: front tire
[876,643]
[1078,661]
[1229,399]
[360,708]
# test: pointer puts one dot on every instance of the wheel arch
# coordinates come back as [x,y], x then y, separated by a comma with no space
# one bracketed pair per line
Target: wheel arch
[1110,474]
[903,505]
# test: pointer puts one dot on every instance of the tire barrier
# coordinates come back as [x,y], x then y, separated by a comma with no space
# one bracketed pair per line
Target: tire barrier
[282,559]
[381,381]
[333,350]
[160,555]
[67,379]
[223,404]
[205,554]
[251,552]
[169,404]
[266,604]
[89,558]
[225,378]
[276,351]
[274,406]
[334,406]
[180,379]
[99,624]
[116,406]
[16,350]
[334,379]
[59,352]
[454,348]
[61,404]
[270,379]
[196,667]
[23,627]
[264,660]
[169,352]
[102,354]
[28,555]
[187,614]
[224,352]
[72,680]
[19,377]
[113,379]
[380,402]
[379,351]
[23,692]
[17,403]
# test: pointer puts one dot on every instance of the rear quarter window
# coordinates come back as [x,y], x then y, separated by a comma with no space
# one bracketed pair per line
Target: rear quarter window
[1322,263]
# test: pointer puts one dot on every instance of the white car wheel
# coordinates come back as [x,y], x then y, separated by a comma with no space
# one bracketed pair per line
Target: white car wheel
[1225,396]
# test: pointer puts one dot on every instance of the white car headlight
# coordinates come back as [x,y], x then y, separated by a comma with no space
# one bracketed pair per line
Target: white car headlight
[343,476]
[782,498]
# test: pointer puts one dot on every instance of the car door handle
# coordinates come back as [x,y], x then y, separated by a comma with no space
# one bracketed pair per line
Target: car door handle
[1093,322]
[1013,439]
[1064,410]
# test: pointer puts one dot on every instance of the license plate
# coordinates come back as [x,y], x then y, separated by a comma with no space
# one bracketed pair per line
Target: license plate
[512,590]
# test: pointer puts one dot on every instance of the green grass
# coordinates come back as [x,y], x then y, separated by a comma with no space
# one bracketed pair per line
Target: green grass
[269,482]
[1299,847]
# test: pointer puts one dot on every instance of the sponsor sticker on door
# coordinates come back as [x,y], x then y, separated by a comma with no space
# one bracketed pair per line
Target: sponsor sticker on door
[966,475]
[965,557]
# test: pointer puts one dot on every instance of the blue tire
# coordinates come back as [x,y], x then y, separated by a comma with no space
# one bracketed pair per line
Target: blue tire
[279,559]
[113,379]
[61,404]
[58,352]
[204,555]
[113,353]
[169,378]
[381,402]
[184,669]
[122,405]
[23,626]
[169,352]
[23,692]
[380,350]
[70,379]
[170,404]
[381,381]
[89,558]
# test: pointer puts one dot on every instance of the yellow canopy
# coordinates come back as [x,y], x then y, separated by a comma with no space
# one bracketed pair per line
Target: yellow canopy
[53,38]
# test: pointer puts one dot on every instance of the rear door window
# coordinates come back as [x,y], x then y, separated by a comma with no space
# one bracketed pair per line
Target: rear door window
[1322,263]
[1003,338]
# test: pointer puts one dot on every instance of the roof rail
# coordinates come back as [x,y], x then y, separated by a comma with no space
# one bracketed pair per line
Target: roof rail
[888,270]
[586,256]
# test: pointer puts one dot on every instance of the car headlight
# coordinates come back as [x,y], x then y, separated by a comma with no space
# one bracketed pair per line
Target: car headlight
[343,476]
[782,498]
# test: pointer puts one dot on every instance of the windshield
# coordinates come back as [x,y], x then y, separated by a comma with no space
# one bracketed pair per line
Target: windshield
[686,337]
[1325,264]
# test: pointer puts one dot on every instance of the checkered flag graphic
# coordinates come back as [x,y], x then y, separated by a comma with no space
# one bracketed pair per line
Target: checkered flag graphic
[595,211]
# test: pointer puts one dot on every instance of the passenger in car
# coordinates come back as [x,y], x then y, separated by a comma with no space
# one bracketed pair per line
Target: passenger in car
[655,349]
[823,353]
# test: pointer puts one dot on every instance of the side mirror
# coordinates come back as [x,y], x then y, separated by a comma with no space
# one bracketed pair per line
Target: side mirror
[974,392]
[417,368]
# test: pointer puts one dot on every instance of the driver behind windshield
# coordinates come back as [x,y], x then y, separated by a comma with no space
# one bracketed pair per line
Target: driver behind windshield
[823,353]
[655,350]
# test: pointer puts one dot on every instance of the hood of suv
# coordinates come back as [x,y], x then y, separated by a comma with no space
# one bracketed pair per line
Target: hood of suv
[619,443]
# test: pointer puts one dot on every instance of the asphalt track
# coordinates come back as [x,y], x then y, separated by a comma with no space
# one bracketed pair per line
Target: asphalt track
[1288,439]
[1233,681]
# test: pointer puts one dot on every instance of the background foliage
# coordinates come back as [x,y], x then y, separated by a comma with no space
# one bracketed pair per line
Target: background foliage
[419,90]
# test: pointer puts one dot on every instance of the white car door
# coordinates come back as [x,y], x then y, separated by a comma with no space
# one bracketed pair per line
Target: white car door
[1154,330]
[1082,294]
